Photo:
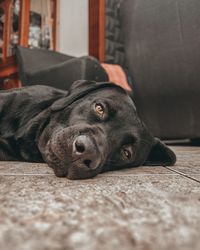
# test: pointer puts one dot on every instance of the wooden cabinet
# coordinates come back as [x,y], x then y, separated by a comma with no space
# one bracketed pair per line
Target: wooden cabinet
[29,23]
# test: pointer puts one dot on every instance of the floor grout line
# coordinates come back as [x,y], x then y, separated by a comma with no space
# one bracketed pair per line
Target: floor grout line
[180,173]
[109,175]
[7,174]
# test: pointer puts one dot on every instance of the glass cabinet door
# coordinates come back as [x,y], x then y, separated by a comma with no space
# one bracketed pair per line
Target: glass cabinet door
[9,26]
[28,23]
[2,27]
[41,27]
[14,27]
[39,16]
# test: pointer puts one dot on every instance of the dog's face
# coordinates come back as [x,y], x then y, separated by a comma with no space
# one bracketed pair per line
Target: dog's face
[99,132]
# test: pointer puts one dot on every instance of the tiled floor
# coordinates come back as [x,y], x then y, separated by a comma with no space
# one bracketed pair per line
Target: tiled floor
[141,208]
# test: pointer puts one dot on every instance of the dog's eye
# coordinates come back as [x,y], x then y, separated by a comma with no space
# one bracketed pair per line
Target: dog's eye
[99,109]
[126,153]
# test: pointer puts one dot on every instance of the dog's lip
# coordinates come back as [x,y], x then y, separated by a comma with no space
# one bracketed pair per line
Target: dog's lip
[61,168]
[82,172]
[56,155]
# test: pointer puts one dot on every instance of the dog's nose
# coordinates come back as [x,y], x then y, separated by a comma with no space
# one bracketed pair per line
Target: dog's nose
[82,143]
[84,150]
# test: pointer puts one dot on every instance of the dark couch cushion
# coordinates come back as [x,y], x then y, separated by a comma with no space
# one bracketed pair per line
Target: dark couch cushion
[162,53]
[38,66]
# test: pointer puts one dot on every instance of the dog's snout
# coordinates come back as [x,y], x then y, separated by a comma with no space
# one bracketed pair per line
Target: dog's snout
[84,150]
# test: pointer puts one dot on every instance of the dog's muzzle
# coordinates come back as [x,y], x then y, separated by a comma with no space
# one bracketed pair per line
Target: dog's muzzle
[78,157]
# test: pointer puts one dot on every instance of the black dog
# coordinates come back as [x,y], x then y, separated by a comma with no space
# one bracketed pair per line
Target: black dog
[90,129]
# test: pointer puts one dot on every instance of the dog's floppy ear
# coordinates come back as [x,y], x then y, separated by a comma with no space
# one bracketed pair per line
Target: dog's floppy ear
[75,87]
[160,154]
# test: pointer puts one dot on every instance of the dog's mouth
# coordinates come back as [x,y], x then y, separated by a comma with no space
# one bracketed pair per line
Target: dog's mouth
[77,156]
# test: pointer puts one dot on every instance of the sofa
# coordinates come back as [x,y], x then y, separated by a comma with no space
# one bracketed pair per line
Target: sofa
[158,44]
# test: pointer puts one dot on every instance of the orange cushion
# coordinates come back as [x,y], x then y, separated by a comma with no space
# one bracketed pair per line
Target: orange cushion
[116,75]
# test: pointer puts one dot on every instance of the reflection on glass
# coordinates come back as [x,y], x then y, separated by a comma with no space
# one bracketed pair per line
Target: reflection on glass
[41,24]
[14,33]
[2,22]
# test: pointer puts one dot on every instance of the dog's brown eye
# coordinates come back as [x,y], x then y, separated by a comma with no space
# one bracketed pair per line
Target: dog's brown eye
[126,154]
[99,109]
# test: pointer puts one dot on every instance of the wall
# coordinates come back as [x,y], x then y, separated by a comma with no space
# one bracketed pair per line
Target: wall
[73,28]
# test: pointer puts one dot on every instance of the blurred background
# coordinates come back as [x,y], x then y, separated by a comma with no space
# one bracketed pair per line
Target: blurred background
[154,44]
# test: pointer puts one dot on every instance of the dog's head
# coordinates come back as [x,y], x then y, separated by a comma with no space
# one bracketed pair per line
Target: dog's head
[96,128]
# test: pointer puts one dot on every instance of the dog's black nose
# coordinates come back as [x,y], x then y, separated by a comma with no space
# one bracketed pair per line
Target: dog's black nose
[84,150]
[81,144]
